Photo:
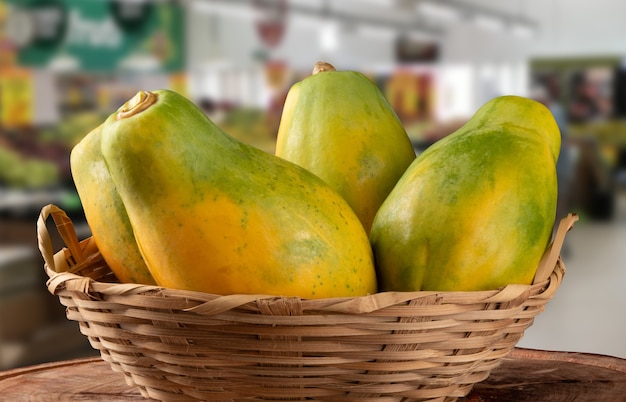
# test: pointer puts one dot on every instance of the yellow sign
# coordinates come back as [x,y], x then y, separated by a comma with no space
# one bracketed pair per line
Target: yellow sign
[17,97]
[178,83]
[410,93]
[8,55]
[8,51]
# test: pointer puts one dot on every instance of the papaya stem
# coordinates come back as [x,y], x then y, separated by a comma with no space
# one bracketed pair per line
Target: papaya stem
[322,66]
[137,104]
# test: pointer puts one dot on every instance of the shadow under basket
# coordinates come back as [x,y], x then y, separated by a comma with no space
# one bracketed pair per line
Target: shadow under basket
[180,345]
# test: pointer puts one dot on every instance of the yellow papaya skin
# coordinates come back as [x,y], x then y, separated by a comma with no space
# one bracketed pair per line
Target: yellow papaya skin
[105,212]
[475,211]
[216,215]
[339,125]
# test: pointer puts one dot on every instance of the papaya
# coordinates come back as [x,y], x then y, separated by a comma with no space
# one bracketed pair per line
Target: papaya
[339,125]
[475,210]
[213,214]
[105,212]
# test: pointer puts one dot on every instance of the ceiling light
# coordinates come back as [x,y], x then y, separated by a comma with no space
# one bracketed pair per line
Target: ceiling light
[236,9]
[308,21]
[439,11]
[522,30]
[377,31]
[488,22]
[329,36]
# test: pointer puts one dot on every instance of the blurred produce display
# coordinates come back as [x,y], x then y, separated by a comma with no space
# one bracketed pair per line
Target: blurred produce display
[34,165]
[70,130]
[37,157]
[251,126]
[19,171]
[606,131]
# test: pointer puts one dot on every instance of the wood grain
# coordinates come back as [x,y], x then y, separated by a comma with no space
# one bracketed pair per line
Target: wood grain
[533,375]
[87,379]
[526,375]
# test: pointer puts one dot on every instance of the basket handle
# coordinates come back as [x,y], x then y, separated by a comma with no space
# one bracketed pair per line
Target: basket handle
[66,230]
[551,255]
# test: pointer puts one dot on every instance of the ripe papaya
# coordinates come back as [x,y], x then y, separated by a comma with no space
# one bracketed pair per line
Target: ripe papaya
[105,212]
[213,214]
[339,125]
[475,211]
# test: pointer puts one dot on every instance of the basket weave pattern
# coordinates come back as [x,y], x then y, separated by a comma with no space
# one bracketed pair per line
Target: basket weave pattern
[387,347]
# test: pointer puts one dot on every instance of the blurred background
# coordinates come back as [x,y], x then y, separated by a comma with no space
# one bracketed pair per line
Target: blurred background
[67,64]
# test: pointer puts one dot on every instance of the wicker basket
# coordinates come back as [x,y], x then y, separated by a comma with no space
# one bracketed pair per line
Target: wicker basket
[391,346]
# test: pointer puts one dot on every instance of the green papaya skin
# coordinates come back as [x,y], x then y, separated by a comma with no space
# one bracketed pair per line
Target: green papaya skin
[475,211]
[339,125]
[105,212]
[213,214]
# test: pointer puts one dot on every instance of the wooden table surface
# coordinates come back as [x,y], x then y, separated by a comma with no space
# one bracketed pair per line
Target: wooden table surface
[526,375]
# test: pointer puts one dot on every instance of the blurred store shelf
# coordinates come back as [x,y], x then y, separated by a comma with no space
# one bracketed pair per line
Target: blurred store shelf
[23,202]
[33,327]
[59,341]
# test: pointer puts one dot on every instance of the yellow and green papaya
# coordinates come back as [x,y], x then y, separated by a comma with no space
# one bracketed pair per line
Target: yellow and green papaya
[213,214]
[105,212]
[339,125]
[476,210]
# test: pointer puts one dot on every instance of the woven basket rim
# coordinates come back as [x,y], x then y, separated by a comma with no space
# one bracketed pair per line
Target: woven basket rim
[210,304]
[63,277]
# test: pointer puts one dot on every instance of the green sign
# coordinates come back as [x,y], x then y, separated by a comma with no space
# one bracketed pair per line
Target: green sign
[99,35]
